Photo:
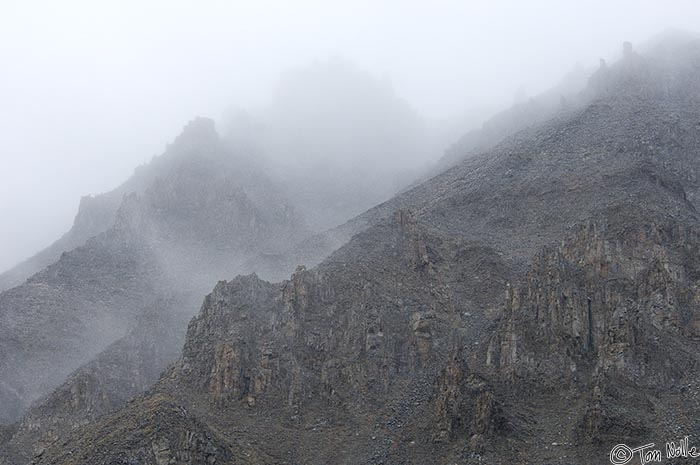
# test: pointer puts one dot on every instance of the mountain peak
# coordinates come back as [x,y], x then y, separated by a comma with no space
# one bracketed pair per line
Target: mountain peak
[198,134]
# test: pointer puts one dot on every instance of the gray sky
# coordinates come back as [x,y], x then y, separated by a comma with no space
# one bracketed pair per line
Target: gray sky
[90,89]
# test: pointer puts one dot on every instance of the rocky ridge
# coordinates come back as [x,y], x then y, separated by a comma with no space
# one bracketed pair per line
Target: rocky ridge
[159,244]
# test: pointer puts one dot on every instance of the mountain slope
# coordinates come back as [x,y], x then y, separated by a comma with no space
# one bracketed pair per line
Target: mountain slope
[200,218]
[336,336]
[638,132]
[96,214]
[122,371]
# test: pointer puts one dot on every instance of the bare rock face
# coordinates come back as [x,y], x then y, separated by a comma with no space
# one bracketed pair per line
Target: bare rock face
[177,438]
[602,296]
[325,337]
[466,406]
[606,320]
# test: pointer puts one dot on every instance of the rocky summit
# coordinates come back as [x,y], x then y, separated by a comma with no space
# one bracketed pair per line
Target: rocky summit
[536,302]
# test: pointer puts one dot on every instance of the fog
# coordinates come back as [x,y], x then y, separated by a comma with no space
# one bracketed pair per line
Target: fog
[89,90]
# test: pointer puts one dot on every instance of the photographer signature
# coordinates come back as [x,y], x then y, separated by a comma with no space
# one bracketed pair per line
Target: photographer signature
[622,453]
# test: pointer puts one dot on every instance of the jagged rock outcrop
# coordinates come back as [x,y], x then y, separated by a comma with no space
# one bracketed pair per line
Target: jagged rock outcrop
[465,405]
[603,296]
[336,331]
[608,320]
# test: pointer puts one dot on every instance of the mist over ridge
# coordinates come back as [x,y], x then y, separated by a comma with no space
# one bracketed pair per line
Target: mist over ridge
[111,83]
[509,297]
[310,232]
[338,138]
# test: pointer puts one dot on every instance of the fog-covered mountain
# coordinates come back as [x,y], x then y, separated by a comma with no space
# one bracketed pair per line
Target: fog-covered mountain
[110,299]
[200,213]
[338,139]
[543,290]
[206,209]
